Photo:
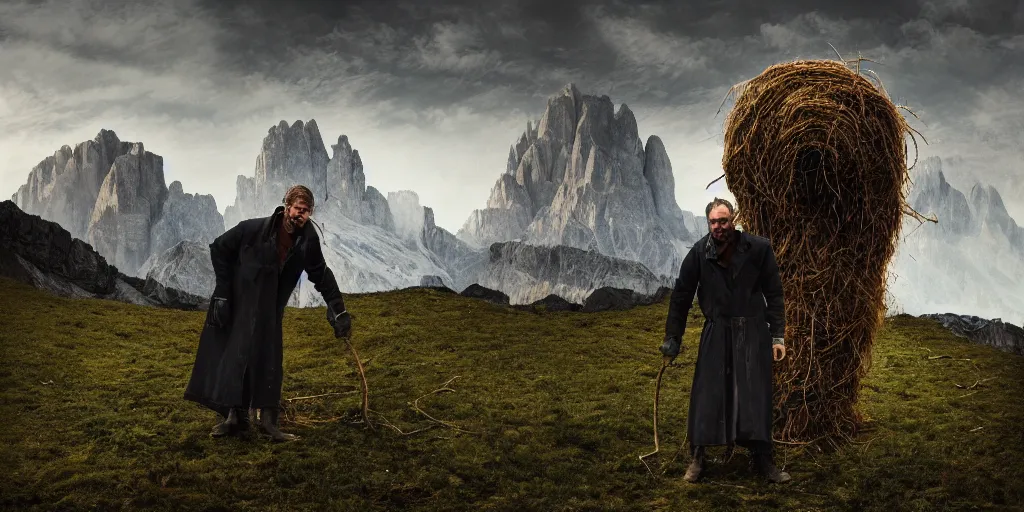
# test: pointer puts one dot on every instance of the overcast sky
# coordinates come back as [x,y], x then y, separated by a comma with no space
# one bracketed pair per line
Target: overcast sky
[433,95]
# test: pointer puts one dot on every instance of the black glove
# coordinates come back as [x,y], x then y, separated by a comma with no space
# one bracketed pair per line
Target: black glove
[671,346]
[339,318]
[219,314]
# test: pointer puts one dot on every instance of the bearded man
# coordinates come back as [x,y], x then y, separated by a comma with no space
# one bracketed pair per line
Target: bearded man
[739,290]
[258,263]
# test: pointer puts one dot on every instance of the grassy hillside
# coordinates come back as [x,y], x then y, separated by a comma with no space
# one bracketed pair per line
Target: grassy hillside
[557,407]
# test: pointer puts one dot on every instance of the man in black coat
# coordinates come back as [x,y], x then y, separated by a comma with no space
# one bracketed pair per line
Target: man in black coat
[739,289]
[258,263]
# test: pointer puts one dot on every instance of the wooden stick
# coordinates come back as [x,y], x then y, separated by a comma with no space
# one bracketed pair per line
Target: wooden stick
[366,389]
[444,388]
[666,361]
[320,395]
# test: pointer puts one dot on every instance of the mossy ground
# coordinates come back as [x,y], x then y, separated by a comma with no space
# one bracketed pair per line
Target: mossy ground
[560,403]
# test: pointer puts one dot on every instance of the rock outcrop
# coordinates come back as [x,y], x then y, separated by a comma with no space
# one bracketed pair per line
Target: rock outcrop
[46,256]
[185,217]
[185,266]
[554,303]
[441,243]
[584,179]
[995,332]
[528,273]
[431,282]
[609,298]
[480,292]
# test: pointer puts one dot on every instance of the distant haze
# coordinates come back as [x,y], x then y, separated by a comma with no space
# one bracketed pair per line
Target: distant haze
[433,94]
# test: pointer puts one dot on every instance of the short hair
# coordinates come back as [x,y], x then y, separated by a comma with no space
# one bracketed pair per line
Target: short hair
[718,202]
[296,193]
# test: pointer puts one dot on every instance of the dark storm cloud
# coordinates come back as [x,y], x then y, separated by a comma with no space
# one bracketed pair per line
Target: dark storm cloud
[439,54]
[216,73]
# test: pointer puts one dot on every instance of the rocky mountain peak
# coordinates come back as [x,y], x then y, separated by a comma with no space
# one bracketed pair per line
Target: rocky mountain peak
[932,194]
[560,116]
[586,181]
[185,217]
[63,188]
[991,213]
[345,171]
[296,155]
[130,200]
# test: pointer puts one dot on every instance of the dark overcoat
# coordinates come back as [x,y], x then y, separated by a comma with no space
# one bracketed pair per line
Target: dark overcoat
[241,366]
[743,307]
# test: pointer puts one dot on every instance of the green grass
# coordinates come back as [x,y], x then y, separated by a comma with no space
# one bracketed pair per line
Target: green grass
[562,403]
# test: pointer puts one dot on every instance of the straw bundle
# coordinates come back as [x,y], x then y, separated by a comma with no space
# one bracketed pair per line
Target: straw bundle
[815,155]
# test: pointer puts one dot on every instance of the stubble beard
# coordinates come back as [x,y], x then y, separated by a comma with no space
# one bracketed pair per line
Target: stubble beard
[290,224]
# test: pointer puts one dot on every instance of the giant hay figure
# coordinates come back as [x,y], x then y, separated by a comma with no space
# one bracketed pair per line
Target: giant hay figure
[815,155]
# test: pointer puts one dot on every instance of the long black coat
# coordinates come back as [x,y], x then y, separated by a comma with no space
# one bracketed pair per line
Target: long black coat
[241,366]
[731,396]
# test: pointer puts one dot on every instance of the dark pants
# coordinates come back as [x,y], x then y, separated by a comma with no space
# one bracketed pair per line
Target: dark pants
[242,410]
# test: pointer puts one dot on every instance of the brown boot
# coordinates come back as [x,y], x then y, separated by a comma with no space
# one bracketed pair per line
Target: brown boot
[696,466]
[236,423]
[268,423]
[766,468]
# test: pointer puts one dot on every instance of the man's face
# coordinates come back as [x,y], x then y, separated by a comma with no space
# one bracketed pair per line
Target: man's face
[297,213]
[721,222]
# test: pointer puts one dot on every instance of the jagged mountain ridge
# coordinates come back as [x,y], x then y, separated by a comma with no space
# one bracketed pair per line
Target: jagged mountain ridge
[582,178]
[971,261]
[112,195]
[377,244]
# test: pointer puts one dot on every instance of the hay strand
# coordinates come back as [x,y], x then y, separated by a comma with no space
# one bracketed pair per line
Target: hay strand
[816,156]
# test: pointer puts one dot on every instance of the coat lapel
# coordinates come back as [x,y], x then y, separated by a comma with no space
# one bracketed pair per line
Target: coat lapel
[269,228]
[741,254]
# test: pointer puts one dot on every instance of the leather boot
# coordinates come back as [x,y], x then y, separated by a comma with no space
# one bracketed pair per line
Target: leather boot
[237,422]
[765,467]
[696,465]
[269,422]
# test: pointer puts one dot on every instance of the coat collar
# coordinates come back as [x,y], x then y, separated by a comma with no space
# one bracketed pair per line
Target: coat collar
[740,253]
[271,223]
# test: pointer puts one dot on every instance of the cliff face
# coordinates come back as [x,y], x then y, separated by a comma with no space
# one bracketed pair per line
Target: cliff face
[584,179]
[63,188]
[43,254]
[112,195]
[129,203]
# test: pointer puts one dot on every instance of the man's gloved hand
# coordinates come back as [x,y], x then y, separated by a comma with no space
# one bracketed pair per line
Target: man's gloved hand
[671,347]
[339,319]
[219,314]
